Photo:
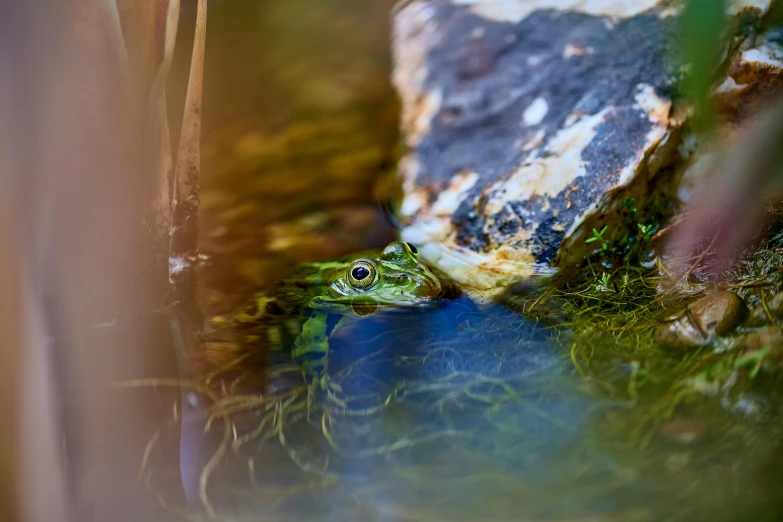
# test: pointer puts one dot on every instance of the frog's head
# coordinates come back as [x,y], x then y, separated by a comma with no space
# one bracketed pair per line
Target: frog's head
[393,278]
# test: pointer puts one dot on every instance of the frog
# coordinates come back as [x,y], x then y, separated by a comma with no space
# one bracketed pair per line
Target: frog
[321,297]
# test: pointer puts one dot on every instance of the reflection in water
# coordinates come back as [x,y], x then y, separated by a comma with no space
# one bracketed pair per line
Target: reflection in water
[300,121]
[438,403]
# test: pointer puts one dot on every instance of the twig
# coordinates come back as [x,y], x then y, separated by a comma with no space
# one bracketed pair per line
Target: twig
[698,261]
[659,235]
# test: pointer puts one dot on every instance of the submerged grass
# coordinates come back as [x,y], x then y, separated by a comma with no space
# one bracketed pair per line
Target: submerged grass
[470,415]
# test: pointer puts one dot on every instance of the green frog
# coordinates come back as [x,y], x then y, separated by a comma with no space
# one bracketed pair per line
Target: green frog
[321,297]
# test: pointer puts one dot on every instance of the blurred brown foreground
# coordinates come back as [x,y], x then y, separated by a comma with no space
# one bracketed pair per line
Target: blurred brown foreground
[85,210]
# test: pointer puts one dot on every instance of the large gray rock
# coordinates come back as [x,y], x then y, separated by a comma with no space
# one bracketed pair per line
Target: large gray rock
[532,122]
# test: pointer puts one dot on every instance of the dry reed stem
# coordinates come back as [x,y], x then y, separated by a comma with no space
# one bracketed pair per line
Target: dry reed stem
[11,340]
[186,173]
[168,16]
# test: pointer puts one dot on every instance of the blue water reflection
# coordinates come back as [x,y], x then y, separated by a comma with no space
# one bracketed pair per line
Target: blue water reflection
[458,402]
[460,413]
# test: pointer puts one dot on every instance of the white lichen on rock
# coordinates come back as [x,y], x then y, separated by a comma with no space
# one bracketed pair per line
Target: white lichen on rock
[517,10]
[528,126]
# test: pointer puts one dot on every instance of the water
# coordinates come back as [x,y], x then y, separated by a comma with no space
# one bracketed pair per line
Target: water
[456,413]
[466,413]
[453,403]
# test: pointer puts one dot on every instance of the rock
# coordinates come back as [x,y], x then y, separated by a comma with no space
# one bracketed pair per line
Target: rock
[683,430]
[767,338]
[677,462]
[702,321]
[760,350]
[531,123]
[679,333]
[759,316]
[718,313]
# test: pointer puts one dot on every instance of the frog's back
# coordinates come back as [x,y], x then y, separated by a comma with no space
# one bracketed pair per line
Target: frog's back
[283,306]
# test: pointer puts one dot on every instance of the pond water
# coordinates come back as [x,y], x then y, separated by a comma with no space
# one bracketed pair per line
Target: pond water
[454,413]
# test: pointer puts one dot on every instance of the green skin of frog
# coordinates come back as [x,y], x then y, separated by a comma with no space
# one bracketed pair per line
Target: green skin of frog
[322,297]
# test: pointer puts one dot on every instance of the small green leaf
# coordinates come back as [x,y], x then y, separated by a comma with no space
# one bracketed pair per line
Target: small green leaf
[598,236]
[646,230]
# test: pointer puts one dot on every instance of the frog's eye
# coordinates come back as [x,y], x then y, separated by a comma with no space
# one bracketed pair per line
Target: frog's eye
[362,274]
[414,250]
